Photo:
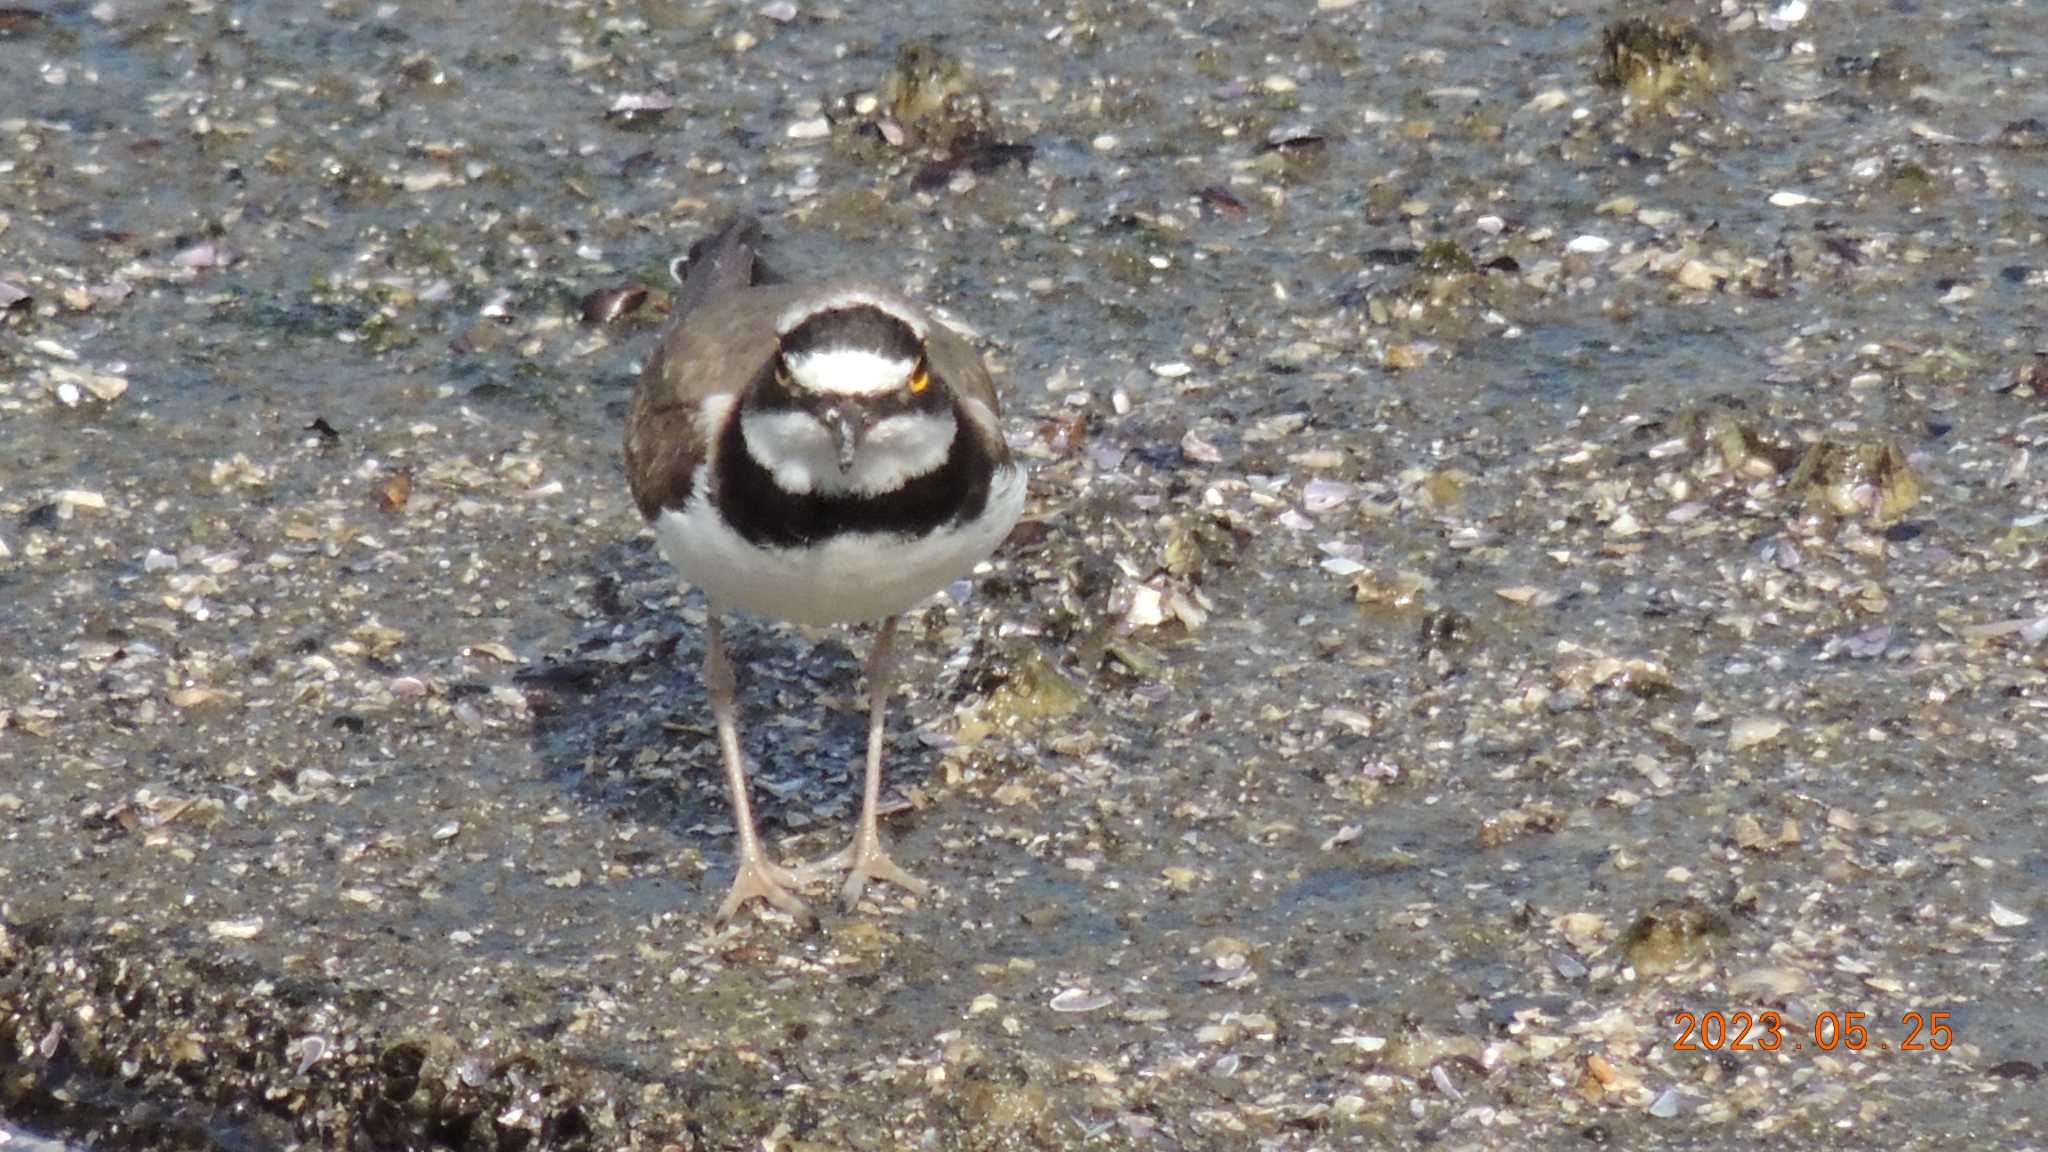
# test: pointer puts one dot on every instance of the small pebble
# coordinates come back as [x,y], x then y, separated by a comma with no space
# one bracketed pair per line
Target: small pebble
[1322,495]
[2007,918]
[1751,731]
[1786,15]
[1081,1000]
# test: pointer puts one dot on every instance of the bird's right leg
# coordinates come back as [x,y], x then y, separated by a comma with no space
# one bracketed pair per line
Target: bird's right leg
[758,877]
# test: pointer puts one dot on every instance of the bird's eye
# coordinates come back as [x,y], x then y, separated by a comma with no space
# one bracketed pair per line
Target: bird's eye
[919,379]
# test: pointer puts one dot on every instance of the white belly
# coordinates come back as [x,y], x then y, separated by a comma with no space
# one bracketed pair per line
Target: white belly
[846,580]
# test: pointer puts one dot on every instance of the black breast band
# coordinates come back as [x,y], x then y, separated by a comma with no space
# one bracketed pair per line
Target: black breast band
[767,515]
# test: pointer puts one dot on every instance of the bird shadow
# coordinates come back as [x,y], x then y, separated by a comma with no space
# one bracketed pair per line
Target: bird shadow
[622,720]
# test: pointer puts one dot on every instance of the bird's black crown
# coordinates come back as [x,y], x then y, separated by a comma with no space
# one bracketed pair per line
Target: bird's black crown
[862,326]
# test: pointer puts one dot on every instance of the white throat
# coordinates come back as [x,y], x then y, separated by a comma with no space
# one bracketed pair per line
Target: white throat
[899,449]
[800,454]
[849,372]
[794,447]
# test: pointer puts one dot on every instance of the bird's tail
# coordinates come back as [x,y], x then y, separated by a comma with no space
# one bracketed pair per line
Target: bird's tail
[727,260]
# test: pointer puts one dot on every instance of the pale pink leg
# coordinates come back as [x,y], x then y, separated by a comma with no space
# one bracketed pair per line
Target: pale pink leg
[758,877]
[866,859]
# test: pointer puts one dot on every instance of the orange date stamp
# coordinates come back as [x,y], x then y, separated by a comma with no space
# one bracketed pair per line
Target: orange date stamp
[1769,1031]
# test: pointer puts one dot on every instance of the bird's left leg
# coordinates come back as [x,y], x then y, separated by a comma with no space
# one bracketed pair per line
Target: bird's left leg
[866,859]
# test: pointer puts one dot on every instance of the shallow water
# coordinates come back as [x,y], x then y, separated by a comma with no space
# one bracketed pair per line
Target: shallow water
[426,781]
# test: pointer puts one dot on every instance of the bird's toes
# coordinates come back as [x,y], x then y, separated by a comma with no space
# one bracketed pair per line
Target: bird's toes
[763,880]
[875,865]
[812,871]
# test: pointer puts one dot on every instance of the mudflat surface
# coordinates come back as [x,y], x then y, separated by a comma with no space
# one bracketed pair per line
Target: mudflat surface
[1538,528]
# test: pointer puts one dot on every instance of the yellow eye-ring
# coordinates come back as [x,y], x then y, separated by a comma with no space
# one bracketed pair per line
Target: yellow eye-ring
[919,379]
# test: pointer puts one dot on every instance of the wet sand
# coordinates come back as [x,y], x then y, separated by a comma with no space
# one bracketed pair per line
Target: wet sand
[1524,545]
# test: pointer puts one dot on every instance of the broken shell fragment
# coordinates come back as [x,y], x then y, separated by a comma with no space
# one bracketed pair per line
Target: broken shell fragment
[1076,1000]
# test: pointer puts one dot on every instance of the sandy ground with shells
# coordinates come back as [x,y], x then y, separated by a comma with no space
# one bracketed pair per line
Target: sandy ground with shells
[1534,533]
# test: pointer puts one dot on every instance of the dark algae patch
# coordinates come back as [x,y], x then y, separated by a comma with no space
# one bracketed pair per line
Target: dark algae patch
[144,1048]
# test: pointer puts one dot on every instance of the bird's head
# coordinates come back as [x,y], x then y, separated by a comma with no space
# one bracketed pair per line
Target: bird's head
[850,402]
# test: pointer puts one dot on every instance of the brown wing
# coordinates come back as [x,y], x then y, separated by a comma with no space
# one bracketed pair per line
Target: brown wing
[723,333]
[956,362]
[712,351]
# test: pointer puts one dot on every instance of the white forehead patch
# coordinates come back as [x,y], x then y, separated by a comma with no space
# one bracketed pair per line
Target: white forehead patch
[845,298]
[849,372]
